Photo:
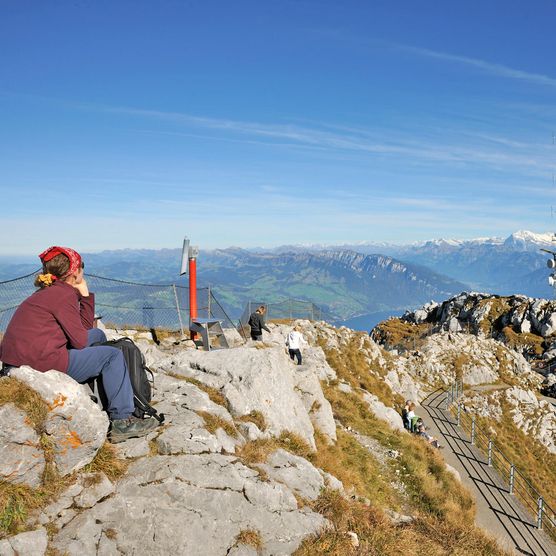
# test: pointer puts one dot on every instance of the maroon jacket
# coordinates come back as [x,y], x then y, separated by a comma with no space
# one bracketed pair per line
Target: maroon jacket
[46,325]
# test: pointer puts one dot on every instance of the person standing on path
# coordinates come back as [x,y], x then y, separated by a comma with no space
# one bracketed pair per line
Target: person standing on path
[257,325]
[294,340]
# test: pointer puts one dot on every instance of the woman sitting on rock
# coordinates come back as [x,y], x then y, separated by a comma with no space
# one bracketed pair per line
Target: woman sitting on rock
[53,329]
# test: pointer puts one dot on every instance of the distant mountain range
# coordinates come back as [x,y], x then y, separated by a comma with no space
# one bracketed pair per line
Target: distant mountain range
[509,265]
[351,282]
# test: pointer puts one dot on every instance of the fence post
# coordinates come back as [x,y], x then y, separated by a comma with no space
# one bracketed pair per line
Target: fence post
[459,414]
[208,304]
[489,452]
[178,308]
[540,508]
[512,478]
[473,429]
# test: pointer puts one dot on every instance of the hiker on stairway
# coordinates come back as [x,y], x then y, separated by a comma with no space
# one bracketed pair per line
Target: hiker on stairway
[293,341]
[53,330]
[256,323]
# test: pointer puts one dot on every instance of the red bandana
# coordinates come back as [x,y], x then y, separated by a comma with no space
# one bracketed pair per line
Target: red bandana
[73,256]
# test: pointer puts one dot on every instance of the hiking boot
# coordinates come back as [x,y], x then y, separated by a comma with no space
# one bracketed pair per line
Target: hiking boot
[122,429]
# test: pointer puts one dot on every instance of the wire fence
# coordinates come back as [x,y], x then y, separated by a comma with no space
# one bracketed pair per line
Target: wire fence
[122,303]
[517,484]
[286,309]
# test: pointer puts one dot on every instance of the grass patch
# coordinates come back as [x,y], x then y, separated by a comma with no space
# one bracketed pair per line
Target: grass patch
[378,536]
[257,451]
[352,365]
[108,462]
[430,487]
[396,333]
[255,417]
[26,399]
[250,537]
[17,502]
[497,307]
[529,456]
[263,345]
[214,422]
[214,394]
[356,467]
[523,342]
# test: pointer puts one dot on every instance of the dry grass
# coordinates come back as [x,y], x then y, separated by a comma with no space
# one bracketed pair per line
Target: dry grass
[17,502]
[460,361]
[497,307]
[529,456]
[431,488]
[214,394]
[395,333]
[352,365]
[255,417]
[108,462]
[357,468]
[257,451]
[214,422]
[26,399]
[263,345]
[250,537]
[524,342]
[378,536]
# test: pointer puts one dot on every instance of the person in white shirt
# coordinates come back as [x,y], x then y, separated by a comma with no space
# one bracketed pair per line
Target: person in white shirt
[294,340]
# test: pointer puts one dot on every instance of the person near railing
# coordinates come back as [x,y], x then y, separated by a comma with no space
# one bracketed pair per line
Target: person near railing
[405,415]
[257,324]
[53,330]
[429,438]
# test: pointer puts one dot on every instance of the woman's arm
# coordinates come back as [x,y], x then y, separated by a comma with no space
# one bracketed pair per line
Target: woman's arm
[68,313]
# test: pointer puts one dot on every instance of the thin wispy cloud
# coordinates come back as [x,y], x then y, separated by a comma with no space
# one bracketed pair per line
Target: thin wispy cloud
[489,67]
[350,139]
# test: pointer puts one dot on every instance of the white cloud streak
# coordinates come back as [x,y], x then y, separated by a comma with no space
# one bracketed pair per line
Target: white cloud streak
[488,67]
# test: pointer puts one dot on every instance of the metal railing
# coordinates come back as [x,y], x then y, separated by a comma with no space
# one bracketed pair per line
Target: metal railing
[518,485]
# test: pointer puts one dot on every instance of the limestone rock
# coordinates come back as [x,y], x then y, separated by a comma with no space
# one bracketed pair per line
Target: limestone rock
[202,504]
[134,448]
[252,380]
[320,411]
[30,542]
[388,414]
[76,425]
[56,508]
[96,486]
[295,472]
[22,459]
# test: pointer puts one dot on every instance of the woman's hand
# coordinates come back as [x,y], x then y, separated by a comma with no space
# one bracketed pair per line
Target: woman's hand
[82,287]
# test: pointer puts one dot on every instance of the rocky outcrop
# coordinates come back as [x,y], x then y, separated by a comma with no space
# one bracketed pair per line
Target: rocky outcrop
[535,417]
[494,316]
[262,379]
[445,356]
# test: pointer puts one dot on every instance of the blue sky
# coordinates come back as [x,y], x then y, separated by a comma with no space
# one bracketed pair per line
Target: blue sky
[133,123]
